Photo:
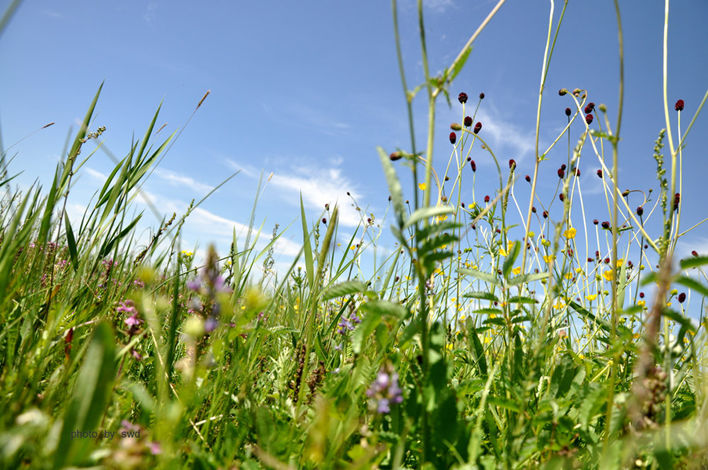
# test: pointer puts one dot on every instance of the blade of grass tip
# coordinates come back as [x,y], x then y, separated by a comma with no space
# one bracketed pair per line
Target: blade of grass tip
[306,246]
[9,13]
[326,242]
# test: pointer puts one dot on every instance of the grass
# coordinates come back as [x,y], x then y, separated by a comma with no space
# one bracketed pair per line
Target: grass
[483,340]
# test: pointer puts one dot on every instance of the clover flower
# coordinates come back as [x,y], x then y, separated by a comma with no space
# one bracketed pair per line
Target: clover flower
[384,390]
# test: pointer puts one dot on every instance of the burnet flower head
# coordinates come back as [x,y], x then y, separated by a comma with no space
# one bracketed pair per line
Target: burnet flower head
[384,390]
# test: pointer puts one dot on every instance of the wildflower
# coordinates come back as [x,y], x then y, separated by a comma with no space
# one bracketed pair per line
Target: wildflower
[195,284]
[384,390]
[640,211]
[527,178]
[187,254]
[588,118]
[394,156]
[473,165]
[503,252]
[561,172]
[561,196]
[679,105]
[682,297]
[512,163]
[567,111]
[589,108]
[545,214]
[127,306]
[620,261]
[421,186]
[477,127]
[605,225]
[133,320]
[468,121]
[324,220]
[462,97]
[599,173]
[453,137]
[694,253]
[570,233]
[591,297]
[609,275]
[516,270]
[569,275]
[677,199]
[548,258]
[155,448]
[481,96]
[486,199]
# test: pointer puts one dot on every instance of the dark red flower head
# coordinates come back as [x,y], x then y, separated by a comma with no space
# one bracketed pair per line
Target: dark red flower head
[462,97]
[324,221]
[605,225]
[533,209]
[473,165]
[694,253]
[477,127]
[679,105]
[395,156]
[588,118]
[563,167]
[561,196]
[641,295]
[577,172]
[682,297]
[512,163]
[527,178]
[545,214]
[453,137]
[486,198]
[561,172]
[595,221]
[640,211]
[567,111]
[589,108]
[481,96]
[677,199]
[468,121]
[599,173]
[607,260]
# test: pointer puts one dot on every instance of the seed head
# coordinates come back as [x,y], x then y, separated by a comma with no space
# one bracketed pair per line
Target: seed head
[468,121]
[473,165]
[545,214]
[599,173]
[640,211]
[677,199]
[481,96]
[694,253]
[567,111]
[527,178]
[324,220]
[486,199]
[462,97]
[477,127]
[561,196]
[679,105]
[453,137]
[589,108]
[588,118]
[562,91]
[512,163]
[605,225]
[395,156]
[561,172]
[682,297]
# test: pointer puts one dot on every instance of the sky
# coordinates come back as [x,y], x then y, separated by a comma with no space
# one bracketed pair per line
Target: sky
[302,93]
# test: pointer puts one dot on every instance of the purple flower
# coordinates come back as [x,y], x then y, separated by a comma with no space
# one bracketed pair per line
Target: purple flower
[210,324]
[383,406]
[194,284]
[155,448]
[133,320]
[127,306]
[384,390]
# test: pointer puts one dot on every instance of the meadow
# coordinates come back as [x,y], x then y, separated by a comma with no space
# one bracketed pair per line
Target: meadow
[485,339]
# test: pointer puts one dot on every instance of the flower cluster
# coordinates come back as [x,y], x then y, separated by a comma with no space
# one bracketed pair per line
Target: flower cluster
[209,284]
[384,390]
[348,324]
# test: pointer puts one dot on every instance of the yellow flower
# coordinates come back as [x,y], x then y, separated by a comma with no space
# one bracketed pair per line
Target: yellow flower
[608,275]
[462,318]
[502,252]
[448,347]
[641,303]
[559,305]
[532,234]
[487,340]
[591,297]
[578,270]
[441,218]
[548,258]
[570,233]
[421,186]
[569,275]
[516,270]
[187,253]
[619,262]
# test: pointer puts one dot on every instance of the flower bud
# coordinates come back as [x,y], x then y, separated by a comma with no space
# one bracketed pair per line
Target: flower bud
[679,105]
[562,91]
[567,111]
[473,165]
[588,118]
[512,163]
[468,121]
[477,127]
[455,126]
[481,96]
[453,138]
[395,156]
[462,97]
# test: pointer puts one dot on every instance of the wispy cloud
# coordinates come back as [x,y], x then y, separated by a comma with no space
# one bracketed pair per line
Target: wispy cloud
[315,119]
[178,179]
[504,135]
[437,6]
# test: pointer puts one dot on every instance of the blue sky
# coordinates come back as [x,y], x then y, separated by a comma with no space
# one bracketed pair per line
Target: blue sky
[307,90]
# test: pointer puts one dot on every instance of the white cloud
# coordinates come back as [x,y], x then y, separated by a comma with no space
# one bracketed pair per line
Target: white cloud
[503,135]
[177,179]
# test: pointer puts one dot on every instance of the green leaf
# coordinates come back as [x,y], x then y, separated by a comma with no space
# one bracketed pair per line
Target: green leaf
[344,288]
[480,275]
[90,396]
[489,311]
[694,262]
[394,187]
[692,284]
[384,307]
[71,242]
[510,259]
[651,277]
[527,278]
[522,300]
[481,295]
[458,66]
[425,213]
[494,321]
[309,263]
[363,330]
